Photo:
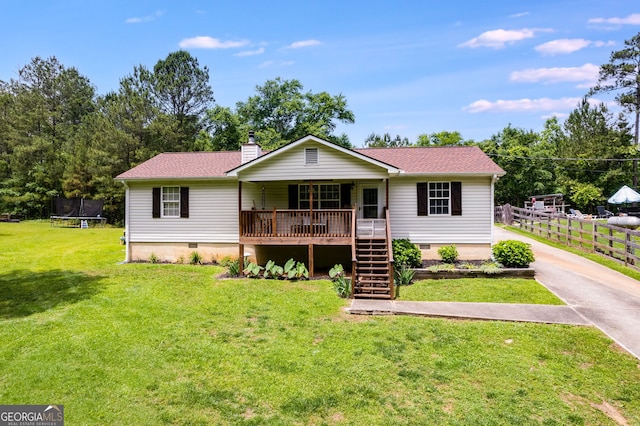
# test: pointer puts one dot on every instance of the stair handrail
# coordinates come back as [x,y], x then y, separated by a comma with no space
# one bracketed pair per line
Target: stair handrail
[390,253]
[354,259]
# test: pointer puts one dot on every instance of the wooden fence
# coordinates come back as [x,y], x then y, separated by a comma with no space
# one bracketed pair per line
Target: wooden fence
[593,236]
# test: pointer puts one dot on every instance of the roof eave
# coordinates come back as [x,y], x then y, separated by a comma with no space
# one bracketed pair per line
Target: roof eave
[174,178]
[391,169]
[467,174]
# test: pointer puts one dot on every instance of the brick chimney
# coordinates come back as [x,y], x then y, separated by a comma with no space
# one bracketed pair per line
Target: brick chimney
[250,150]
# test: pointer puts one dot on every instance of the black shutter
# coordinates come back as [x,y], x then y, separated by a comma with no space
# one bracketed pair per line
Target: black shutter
[155,204]
[293,197]
[456,198]
[345,195]
[184,201]
[423,199]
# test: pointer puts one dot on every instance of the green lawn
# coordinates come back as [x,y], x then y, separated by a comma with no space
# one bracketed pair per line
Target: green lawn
[494,290]
[172,344]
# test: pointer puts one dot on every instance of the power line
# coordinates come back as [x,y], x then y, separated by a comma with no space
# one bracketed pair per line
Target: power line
[560,158]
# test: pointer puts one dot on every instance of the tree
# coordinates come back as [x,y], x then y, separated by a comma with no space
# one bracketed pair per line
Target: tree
[443,138]
[180,86]
[385,141]
[171,99]
[43,109]
[592,141]
[622,75]
[281,113]
[227,133]
[527,160]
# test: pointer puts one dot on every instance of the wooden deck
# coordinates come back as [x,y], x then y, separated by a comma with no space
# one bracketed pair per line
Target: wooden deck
[295,227]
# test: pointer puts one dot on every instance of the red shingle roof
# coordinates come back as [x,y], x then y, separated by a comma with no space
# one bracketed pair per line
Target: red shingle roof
[427,160]
[446,159]
[185,165]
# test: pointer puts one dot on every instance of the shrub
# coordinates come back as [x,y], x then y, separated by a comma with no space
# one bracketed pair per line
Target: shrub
[271,270]
[227,260]
[153,258]
[341,284]
[513,253]
[444,267]
[195,258]
[233,267]
[295,270]
[403,275]
[448,254]
[253,270]
[180,260]
[491,268]
[406,253]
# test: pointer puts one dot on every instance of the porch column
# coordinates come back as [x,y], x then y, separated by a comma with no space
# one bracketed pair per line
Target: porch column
[386,194]
[240,225]
[311,269]
[310,218]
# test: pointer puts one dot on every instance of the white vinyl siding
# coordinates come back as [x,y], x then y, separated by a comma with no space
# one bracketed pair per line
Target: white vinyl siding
[332,164]
[213,214]
[474,226]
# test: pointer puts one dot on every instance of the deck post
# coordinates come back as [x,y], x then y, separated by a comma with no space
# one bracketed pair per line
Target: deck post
[240,259]
[311,266]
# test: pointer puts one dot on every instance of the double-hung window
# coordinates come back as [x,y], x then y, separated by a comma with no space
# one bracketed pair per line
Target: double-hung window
[439,198]
[171,201]
[325,196]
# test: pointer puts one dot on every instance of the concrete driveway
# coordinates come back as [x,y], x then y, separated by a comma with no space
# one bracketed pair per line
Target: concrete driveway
[606,298]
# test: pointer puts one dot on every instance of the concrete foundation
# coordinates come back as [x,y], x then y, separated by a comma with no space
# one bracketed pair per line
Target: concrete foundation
[465,251]
[172,252]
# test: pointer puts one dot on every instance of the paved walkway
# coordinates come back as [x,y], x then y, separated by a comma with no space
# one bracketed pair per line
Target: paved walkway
[595,295]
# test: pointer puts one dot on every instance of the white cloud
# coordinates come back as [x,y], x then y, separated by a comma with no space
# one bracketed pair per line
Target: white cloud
[250,52]
[498,39]
[568,45]
[633,19]
[559,115]
[303,43]
[517,105]
[206,42]
[148,18]
[395,127]
[269,64]
[604,43]
[562,46]
[519,15]
[587,74]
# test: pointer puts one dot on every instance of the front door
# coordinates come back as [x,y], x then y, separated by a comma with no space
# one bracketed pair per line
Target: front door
[370,203]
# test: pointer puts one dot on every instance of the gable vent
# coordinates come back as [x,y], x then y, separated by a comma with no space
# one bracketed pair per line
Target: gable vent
[311,156]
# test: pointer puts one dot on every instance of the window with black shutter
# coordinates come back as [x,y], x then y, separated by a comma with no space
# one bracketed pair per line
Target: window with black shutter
[423,199]
[439,198]
[170,201]
[155,204]
[184,201]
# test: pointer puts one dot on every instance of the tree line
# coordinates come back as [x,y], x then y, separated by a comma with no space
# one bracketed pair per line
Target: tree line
[59,138]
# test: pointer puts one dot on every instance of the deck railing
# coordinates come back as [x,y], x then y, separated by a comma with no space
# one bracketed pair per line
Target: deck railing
[296,223]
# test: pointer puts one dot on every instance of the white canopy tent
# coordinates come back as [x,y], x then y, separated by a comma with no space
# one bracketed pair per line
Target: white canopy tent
[624,195]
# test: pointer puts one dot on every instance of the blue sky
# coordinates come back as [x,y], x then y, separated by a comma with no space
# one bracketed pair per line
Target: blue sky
[405,67]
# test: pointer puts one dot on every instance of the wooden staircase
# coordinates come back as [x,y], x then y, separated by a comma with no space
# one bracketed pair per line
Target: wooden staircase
[373,273]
